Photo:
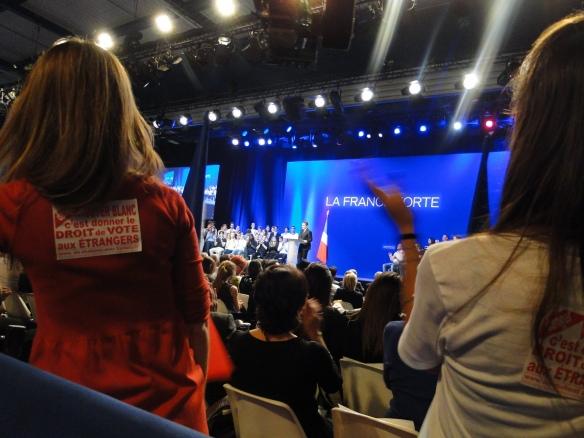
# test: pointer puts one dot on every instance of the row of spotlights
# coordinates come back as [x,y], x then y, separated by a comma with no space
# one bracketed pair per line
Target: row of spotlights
[163,23]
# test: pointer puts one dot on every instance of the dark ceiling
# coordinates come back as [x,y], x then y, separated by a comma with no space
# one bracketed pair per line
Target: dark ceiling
[434,31]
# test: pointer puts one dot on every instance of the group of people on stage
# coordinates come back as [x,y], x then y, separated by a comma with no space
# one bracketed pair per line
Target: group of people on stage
[256,241]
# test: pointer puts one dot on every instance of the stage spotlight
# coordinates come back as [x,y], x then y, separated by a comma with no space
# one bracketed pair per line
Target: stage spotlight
[272,108]
[266,131]
[380,135]
[244,133]
[361,134]
[319,101]
[183,120]
[336,101]
[104,40]
[369,136]
[157,124]
[294,146]
[457,126]
[289,129]
[225,8]
[270,141]
[423,128]
[470,81]
[489,124]
[314,145]
[246,143]
[366,95]
[163,23]
[236,112]
[397,130]
[235,142]
[413,89]
[213,116]
[262,141]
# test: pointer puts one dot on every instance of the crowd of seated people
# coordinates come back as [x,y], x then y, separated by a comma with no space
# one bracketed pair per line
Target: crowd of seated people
[260,355]
[252,242]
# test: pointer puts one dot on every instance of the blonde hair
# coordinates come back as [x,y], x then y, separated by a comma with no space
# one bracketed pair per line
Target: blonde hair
[350,281]
[75,132]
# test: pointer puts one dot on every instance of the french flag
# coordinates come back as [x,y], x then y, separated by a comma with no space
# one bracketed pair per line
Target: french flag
[322,253]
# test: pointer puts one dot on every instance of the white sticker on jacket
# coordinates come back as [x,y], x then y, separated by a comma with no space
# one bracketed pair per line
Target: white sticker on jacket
[114,229]
[563,353]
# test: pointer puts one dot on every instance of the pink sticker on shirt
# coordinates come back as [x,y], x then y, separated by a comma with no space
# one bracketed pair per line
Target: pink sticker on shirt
[114,229]
[563,353]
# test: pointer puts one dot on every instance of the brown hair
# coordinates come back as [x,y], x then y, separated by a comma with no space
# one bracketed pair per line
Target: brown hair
[225,271]
[74,132]
[381,306]
[543,196]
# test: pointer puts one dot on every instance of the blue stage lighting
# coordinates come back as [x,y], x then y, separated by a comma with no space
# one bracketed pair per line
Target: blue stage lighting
[368,135]
[457,126]
[262,141]
[269,141]
[244,133]
[361,134]
[289,129]
[397,130]
[246,143]
[314,145]
[294,146]
[423,128]
[266,131]
[235,142]
[380,134]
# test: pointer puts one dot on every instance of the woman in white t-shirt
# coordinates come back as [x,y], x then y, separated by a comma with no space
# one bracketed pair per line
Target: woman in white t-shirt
[501,314]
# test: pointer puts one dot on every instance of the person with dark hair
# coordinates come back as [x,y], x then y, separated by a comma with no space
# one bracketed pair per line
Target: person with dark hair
[247,286]
[333,271]
[305,241]
[500,312]
[334,324]
[270,361]
[122,312]
[364,338]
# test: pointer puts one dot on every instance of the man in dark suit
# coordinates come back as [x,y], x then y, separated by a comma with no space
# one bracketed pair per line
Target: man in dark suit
[305,241]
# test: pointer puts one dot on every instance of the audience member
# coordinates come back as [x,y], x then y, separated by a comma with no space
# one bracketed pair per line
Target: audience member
[226,291]
[412,390]
[74,145]
[272,362]
[347,292]
[364,338]
[334,324]
[489,310]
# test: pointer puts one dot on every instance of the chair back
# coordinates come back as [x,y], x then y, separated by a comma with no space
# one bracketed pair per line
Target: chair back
[244,298]
[364,390]
[221,307]
[350,424]
[16,307]
[259,417]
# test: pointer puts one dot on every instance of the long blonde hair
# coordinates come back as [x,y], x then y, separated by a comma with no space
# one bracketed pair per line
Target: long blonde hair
[75,131]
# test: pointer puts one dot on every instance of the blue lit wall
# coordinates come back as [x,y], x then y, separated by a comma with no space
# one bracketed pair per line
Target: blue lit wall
[439,188]
[176,178]
[497,167]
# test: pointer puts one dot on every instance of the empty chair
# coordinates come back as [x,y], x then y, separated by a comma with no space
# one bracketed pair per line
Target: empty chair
[259,417]
[363,387]
[16,307]
[350,424]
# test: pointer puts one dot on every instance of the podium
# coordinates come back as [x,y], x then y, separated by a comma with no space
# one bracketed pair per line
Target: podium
[292,242]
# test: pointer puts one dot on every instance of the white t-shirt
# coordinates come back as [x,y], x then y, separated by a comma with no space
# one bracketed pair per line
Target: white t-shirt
[484,348]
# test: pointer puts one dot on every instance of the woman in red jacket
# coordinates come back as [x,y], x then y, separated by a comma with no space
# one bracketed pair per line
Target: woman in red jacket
[122,304]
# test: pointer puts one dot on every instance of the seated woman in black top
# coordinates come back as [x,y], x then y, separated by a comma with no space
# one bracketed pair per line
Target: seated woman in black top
[224,290]
[334,324]
[270,361]
[364,339]
[348,293]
